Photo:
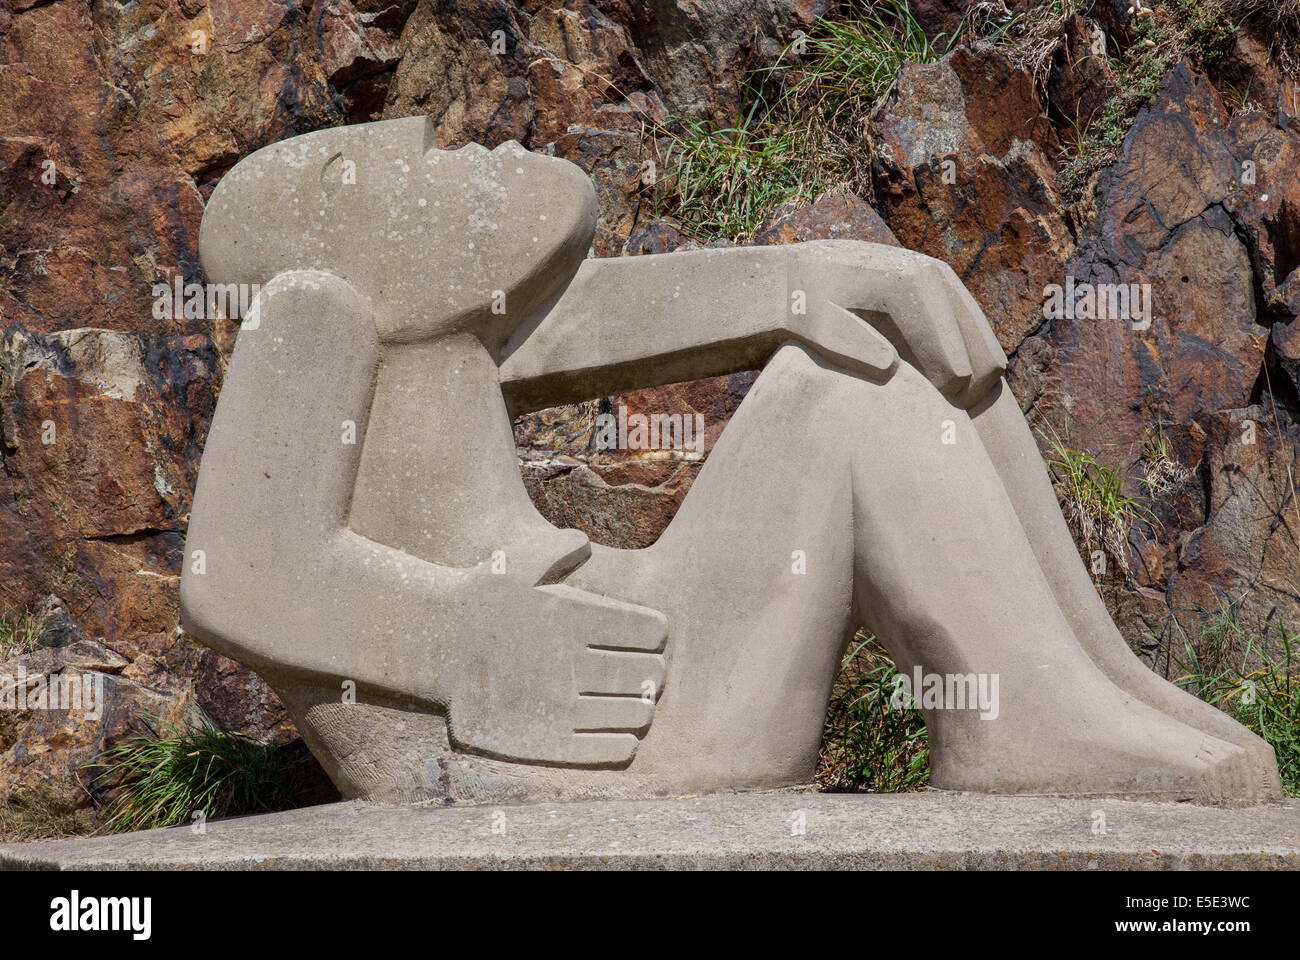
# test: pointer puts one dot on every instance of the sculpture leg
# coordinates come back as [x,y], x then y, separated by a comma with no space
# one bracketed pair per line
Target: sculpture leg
[949,581]
[1010,445]
[920,536]
[755,576]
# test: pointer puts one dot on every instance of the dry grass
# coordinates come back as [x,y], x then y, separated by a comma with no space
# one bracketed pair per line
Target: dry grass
[1282,15]
[42,814]
[1162,473]
[1093,500]
[804,130]
[19,631]
[1028,40]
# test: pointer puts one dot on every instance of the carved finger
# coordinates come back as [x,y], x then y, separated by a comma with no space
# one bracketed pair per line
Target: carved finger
[604,672]
[987,361]
[926,323]
[602,714]
[842,337]
[612,624]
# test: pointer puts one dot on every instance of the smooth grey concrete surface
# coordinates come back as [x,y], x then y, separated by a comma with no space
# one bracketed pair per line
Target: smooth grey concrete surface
[931,831]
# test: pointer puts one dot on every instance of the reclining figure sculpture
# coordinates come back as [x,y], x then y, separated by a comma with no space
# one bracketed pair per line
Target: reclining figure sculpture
[367,544]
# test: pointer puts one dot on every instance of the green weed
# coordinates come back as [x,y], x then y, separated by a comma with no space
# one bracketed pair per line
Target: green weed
[1235,669]
[1093,498]
[873,739]
[164,778]
[804,129]
[19,631]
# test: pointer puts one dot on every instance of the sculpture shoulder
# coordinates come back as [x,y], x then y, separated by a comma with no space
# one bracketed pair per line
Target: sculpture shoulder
[310,305]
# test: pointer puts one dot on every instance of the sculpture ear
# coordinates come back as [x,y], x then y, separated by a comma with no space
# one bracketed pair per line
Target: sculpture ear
[338,172]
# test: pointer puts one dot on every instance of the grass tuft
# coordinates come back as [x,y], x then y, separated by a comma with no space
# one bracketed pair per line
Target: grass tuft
[1093,499]
[43,814]
[1233,668]
[1162,472]
[1028,39]
[804,130]
[19,631]
[163,779]
[874,740]
[725,181]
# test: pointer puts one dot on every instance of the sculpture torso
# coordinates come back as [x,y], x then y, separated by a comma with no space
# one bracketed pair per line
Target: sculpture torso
[438,476]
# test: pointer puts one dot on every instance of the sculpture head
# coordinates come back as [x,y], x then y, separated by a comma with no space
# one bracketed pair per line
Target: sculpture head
[439,241]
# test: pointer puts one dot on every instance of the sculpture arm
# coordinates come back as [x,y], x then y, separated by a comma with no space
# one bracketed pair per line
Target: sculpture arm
[276,579]
[273,576]
[634,322]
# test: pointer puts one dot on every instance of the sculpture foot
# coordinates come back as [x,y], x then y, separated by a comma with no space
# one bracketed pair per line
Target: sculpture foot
[1135,679]
[1125,749]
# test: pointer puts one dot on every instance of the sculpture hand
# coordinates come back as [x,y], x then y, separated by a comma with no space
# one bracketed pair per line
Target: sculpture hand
[556,675]
[916,302]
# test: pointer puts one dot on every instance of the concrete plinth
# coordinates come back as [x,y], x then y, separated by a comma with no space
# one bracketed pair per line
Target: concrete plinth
[775,830]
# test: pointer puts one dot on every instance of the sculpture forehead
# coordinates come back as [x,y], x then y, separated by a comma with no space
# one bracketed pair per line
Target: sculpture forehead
[432,233]
[374,185]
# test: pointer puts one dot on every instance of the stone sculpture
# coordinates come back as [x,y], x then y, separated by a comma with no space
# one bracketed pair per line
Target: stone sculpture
[365,541]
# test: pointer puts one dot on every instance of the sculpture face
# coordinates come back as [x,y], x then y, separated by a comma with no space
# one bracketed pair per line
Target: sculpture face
[446,241]
[496,657]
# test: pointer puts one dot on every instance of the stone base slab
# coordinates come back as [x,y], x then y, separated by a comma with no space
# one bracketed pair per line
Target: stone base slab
[927,831]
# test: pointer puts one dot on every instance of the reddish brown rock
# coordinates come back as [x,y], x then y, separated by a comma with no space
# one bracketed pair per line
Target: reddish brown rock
[965,174]
[836,215]
[492,72]
[1161,224]
[629,515]
[1248,553]
[946,16]
[622,497]
[1174,214]
[621,171]
[100,434]
[1266,204]
[134,105]
[1286,348]
[47,741]
[714,400]
[1251,75]
[352,46]
[655,236]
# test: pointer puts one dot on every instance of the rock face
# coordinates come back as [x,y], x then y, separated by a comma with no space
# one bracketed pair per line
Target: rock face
[100,449]
[1197,209]
[622,497]
[65,701]
[834,216]
[118,119]
[965,174]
